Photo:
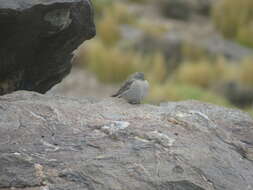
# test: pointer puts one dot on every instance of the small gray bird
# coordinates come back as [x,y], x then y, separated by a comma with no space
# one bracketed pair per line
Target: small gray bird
[134,89]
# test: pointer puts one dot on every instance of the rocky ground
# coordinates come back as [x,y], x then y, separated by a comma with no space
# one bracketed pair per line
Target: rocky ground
[53,142]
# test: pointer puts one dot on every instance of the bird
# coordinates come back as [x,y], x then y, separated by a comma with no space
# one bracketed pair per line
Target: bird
[134,89]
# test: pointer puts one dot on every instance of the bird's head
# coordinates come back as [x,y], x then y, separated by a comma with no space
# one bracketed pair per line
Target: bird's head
[138,75]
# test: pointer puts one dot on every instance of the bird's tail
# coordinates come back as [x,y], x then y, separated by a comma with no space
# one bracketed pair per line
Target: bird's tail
[114,95]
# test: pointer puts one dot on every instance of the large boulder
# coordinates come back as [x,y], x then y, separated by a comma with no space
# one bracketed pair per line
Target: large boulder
[56,143]
[36,41]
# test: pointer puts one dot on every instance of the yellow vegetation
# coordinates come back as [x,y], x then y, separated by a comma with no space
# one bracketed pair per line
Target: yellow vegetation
[246,71]
[158,72]
[109,63]
[200,74]
[192,53]
[108,30]
[234,19]
[108,26]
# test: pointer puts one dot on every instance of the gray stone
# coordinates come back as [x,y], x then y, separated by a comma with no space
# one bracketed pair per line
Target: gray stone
[37,38]
[185,9]
[238,94]
[17,171]
[58,143]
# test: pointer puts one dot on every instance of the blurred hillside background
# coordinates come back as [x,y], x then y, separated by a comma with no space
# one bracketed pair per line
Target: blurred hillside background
[188,49]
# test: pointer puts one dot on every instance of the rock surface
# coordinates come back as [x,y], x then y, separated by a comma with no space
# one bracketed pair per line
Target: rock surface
[56,143]
[37,39]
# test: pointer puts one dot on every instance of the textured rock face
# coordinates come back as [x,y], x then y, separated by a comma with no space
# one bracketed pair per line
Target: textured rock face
[36,41]
[52,142]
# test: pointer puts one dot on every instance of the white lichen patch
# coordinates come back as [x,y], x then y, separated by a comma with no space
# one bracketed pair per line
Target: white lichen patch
[45,188]
[115,126]
[196,118]
[200,114]
[97,134]
[205,117]
[161,138]
[182,115]
[141,139]
[16,153]
[59,18]
[51,147]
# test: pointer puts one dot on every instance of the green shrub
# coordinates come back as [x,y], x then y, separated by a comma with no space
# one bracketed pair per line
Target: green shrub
[178,91]
[234,19]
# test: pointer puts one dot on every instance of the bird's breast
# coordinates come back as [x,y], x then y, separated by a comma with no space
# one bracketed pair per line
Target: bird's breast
[137,91]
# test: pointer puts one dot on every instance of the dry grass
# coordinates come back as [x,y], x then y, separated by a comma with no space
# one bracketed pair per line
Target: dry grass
[246,72]
[108,30]
[154,29]
[158,72]
[108,25]
[191,52]
[200,74]
[234,19]
[110,64]
[99,5]
[245,33]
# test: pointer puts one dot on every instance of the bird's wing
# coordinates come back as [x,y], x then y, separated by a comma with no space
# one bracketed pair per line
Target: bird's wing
[123,88]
